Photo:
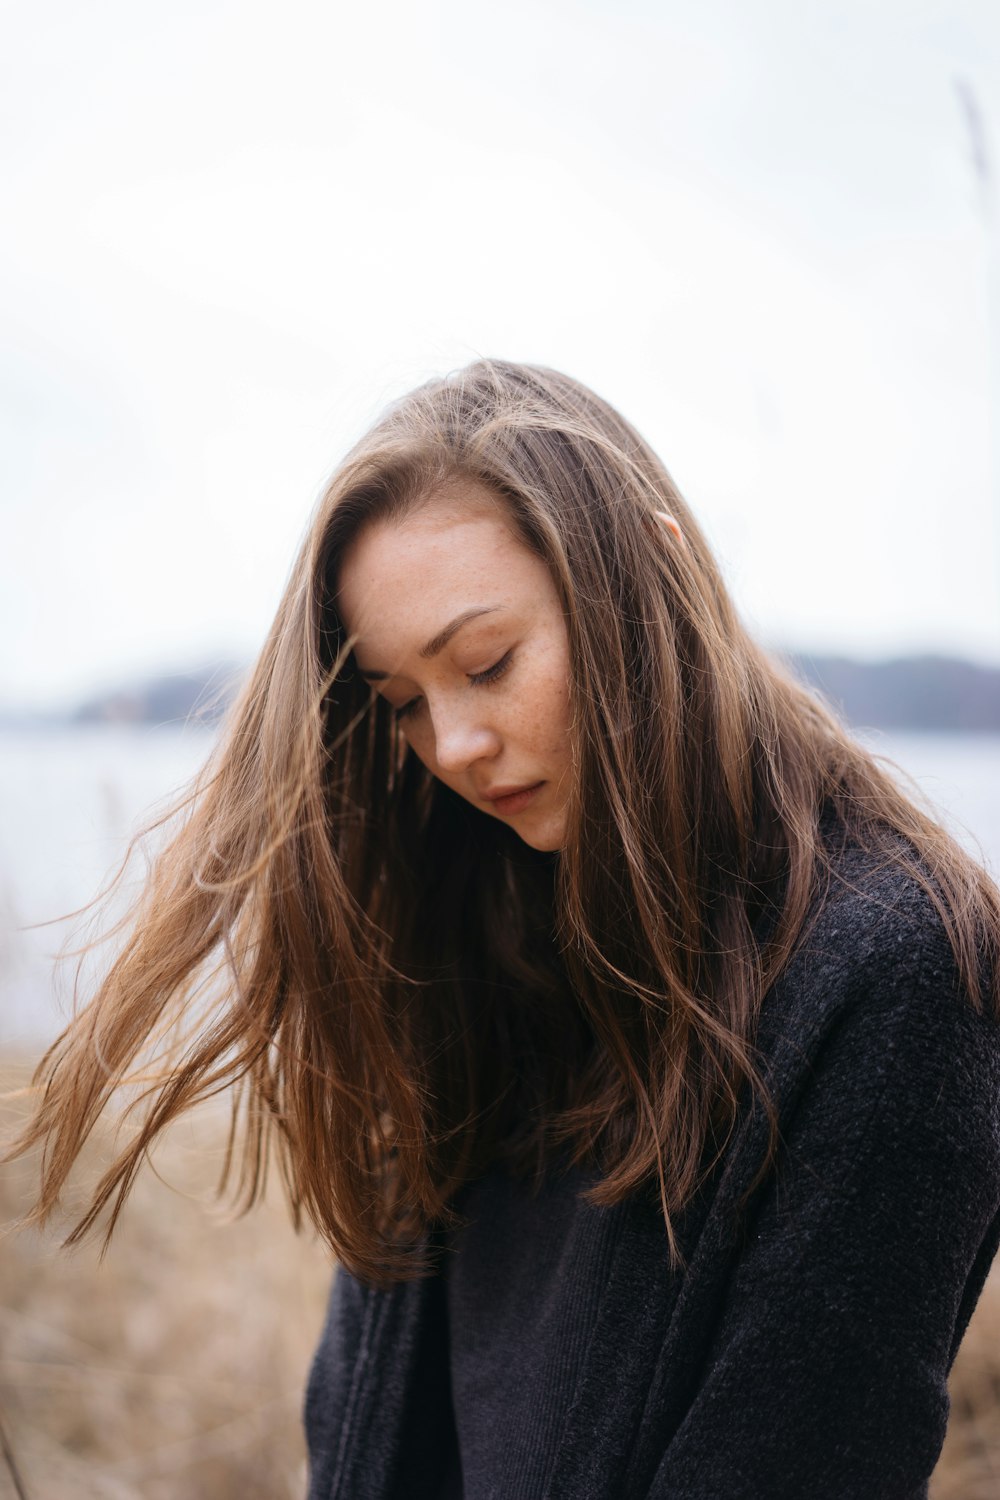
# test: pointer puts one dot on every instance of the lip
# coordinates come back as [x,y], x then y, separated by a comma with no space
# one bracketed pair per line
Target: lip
[508,800]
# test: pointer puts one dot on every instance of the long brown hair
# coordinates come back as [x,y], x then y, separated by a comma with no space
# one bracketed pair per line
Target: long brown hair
[398,991]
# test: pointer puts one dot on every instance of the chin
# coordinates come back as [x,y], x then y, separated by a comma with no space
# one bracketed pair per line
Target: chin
[548,839]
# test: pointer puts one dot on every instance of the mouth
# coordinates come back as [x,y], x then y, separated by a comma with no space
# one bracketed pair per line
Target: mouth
[512,801]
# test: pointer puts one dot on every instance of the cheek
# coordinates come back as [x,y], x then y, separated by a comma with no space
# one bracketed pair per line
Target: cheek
[550,709]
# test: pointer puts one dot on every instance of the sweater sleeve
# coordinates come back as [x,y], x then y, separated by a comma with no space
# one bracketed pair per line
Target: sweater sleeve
[826,1372]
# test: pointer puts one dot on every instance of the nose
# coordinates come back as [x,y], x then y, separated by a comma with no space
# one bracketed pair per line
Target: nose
[460,739]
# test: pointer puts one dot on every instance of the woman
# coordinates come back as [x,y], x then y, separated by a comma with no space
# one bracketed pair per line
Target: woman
[628,1033]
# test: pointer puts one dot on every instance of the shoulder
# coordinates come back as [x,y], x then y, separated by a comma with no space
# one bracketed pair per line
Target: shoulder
[873,929]
[884,1074]
[876,969]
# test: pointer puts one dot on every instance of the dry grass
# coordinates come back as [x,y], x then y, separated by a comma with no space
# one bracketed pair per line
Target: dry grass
[176,1367]
[969,1468]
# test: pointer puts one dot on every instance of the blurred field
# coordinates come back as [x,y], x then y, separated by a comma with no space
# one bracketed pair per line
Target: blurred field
[175,1369]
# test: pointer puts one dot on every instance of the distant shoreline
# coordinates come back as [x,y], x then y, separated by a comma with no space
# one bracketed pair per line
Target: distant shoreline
[912,692]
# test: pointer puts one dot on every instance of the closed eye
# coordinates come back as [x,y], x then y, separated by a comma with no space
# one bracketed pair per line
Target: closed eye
[478,679]
[497,670]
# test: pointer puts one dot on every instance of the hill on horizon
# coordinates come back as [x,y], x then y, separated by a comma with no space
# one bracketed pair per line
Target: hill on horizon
[913,692]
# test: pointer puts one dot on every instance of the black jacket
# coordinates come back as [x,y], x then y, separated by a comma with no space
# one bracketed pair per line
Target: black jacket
[804,1351]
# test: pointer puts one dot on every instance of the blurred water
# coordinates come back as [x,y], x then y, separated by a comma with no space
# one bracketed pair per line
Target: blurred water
[70,799]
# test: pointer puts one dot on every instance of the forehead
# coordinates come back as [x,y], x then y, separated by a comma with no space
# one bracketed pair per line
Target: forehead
[446,553]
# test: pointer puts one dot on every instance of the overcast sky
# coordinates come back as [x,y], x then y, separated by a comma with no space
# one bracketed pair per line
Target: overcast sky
[233,231]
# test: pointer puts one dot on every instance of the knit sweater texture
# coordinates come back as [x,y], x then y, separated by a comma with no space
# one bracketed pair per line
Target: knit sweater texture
[804,1349]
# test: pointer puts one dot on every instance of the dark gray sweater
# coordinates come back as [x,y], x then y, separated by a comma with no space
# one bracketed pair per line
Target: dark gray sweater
[803,1352]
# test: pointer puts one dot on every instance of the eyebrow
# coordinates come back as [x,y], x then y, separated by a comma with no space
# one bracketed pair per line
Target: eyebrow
[437,643]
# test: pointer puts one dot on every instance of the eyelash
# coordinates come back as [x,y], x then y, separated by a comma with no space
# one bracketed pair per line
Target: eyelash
[478,679]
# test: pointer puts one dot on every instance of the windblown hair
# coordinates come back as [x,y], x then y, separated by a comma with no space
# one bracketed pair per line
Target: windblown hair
[399,991]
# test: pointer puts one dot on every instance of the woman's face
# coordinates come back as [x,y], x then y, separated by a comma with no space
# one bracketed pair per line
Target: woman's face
[460,628]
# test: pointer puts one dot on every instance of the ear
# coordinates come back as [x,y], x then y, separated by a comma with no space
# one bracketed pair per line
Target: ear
[671,524]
